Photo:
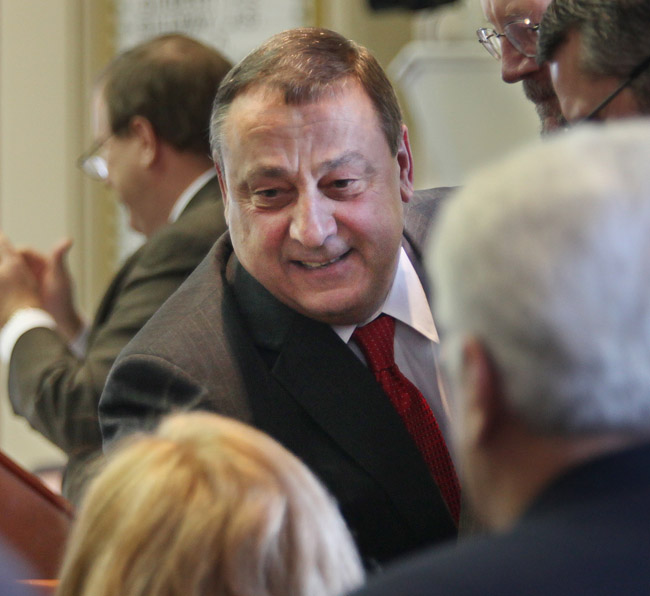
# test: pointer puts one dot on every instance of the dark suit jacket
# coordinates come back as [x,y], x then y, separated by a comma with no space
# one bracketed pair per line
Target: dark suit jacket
[223,343]
[588,533]
[57,392]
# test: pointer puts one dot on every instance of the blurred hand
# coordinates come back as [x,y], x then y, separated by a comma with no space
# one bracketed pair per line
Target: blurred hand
[55,287]
[18,285]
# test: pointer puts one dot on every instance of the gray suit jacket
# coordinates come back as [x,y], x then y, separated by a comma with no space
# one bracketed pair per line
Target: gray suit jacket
[57,392]
[223,343]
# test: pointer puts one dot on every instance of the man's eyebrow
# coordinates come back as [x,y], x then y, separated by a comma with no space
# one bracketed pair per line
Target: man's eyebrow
[266,172]
[349,158]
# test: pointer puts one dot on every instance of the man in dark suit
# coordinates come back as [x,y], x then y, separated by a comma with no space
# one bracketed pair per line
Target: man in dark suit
[151,109]
[315,169]
[540,267]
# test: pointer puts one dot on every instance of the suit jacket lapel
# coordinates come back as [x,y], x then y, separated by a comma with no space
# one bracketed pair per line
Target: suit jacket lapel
[115,287]
[362,422]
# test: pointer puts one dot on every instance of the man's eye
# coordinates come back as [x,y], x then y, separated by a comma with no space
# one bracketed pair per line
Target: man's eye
[271,198]
[267,193]
[344,188]
[343,183]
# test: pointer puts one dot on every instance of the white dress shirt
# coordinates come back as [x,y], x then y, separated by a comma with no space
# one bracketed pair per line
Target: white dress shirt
[415,337]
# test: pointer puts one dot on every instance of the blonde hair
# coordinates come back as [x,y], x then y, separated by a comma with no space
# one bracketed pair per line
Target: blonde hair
[208,505]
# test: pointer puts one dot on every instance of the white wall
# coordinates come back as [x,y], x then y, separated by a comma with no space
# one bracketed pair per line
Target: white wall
[39,136]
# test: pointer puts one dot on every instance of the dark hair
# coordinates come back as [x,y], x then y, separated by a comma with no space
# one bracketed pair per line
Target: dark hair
[614,38]
[171,81]
[305,64]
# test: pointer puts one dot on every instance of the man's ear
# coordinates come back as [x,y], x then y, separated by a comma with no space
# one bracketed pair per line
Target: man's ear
[142,129]
[222,185]
[482,392]
[405,162]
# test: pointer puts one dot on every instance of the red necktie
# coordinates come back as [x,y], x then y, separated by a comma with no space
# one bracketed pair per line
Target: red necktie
[376,341]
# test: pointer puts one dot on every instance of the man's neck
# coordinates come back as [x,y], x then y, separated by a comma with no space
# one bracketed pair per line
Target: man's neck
[529,466]
[176,171]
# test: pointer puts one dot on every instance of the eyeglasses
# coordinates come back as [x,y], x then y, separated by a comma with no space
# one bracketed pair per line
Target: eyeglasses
[522,34]
[94,164]
[636,71]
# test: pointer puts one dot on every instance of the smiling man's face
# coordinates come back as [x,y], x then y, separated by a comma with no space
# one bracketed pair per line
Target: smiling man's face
[314,200]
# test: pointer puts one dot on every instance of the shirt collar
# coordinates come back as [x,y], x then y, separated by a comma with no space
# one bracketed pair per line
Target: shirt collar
[406,302]
[189,192]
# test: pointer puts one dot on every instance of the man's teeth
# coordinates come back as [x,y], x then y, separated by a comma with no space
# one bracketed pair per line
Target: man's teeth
[309,265]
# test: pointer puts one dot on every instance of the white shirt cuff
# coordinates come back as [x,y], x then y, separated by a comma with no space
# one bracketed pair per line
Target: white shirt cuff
[21,322]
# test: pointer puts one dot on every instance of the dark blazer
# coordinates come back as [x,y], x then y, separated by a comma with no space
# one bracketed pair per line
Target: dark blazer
[57,392]
[588,533]
[223,343]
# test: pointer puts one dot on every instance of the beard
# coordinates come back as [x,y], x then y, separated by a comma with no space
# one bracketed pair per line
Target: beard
[540,91]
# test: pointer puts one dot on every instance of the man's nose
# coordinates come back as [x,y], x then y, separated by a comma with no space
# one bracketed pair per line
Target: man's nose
[514,65]
[312,219]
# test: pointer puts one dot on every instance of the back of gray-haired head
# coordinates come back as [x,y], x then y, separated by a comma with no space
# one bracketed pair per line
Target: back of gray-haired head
[614,38]
[545,258]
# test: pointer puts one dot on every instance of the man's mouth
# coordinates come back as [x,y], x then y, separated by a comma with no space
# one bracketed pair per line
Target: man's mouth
[321,265]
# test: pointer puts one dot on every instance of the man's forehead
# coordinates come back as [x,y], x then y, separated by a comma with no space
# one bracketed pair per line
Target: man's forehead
[266,100]
[501,12]
[270,92]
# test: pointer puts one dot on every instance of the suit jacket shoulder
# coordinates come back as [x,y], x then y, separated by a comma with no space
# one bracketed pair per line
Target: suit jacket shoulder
[421,212]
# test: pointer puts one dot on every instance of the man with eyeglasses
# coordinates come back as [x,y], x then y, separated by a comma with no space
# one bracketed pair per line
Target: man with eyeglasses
[599,57]
[151,109]
[514,42]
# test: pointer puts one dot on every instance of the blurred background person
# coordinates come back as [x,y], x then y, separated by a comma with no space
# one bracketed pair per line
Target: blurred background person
[205,506]
[513,41]
[151,109]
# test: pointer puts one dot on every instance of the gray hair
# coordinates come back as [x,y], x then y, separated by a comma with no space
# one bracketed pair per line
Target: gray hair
[614,38]
[545,258]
